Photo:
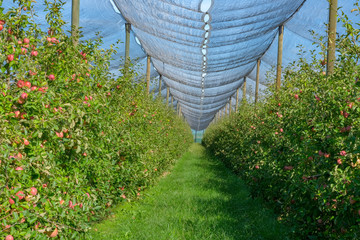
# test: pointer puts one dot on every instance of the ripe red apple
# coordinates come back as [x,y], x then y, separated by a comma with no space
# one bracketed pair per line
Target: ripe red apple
[23,51]
[26,41]
[20,83]
[17,114]
[20,195]
[24,96]
[338,161]
[10,57]
[54,40]
[26,142]
[296,96]
[27,84]
[9,237]
[33,88]
[51,77]
[34,53]
[1,27]
[11,201]
[33,191]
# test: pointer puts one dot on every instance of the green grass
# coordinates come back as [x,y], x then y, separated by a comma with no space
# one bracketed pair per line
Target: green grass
[200,199]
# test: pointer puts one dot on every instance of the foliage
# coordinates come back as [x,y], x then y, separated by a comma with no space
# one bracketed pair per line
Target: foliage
[73,140]
[300,148]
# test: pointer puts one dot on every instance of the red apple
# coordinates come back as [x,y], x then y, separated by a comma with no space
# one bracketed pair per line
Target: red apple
[26,142]
[34,53]
[51,77]
[11,201]
[27,84]
[24,96]
[20,83]
[19,169]
[33,191]
[17,114]
[23,51]
[1,27]
[20,195]
[9,237]
[26,41]
[10,57]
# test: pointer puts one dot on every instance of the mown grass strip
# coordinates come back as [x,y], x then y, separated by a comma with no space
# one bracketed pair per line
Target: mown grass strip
[200,199]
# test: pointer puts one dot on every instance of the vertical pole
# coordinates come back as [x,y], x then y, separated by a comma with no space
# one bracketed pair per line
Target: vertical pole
[237,99]
[179,111]
[332,37]
[75,19]
[148,72]
[160,78]
[257,81]
[230,106]
[279,59]
[167,95]
[244,90]
[127,48]
[226,110]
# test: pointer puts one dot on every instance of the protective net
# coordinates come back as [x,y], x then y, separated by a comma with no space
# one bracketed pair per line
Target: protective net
[203,49]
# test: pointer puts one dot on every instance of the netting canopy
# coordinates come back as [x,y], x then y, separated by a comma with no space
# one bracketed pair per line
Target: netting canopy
[205,49]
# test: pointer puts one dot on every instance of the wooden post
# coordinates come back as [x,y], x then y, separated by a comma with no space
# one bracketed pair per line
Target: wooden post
[279,59]
[244,90]
[75,19]
[148,72]
[167,95]
[179,110]
[160,78]
[230,106]
[127,48]
[237,99]
[332,37]
[257,81]
[172,101]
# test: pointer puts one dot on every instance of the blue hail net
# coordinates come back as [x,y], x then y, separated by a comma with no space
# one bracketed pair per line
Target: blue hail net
[204,50]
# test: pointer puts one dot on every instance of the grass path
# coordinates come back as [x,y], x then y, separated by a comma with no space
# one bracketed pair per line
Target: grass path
[200,199]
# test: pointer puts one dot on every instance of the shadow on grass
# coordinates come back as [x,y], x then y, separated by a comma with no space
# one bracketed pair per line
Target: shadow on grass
[232,212]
